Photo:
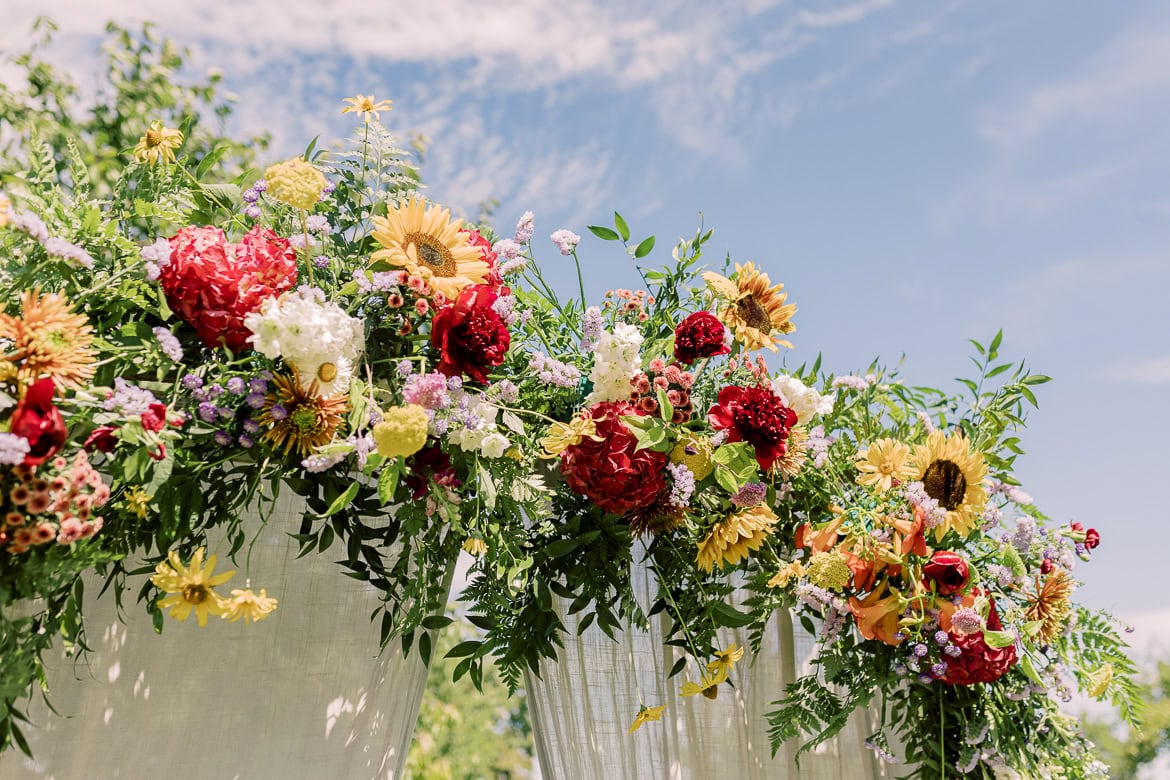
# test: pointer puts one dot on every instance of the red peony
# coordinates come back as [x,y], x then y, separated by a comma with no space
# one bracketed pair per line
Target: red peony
[427,465]
[948,571]
[613,473]
[700,335]
[37,420]
[470,335]
[755,415]
[213,284]
[978,662]
[488,255]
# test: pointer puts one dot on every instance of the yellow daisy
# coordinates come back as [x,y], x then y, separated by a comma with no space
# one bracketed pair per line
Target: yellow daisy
[138,502]
[561,435]
[883,463]
[733,537]
[952,474]
[755,308]
[247,605]
[708,684]
[48,339]
[298,419]
[190,587]
[366,105]
[645,715]
[725,660]
[158,143]
[427,242]
[475,546]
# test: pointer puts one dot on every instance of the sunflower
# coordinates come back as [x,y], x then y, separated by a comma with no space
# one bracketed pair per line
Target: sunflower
[646,715]
[49,338]
[298,418]
[247,605]
[733,537]
[1050,606]
[158,143]
[952,474]
[883,463]
[657,519]
[755,309]
[366,105]
[427,243]
[190,587]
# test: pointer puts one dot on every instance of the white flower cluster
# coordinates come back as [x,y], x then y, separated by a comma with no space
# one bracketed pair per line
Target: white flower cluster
[312,335]
[615,363]
[805,401]
[477,429]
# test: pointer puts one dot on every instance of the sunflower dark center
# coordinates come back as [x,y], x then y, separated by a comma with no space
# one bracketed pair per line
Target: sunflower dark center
[945,483]
[153,138]
[195,594]
[436,257]
[755,315]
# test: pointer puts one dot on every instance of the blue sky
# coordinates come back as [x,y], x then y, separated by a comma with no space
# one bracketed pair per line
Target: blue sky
[916,173]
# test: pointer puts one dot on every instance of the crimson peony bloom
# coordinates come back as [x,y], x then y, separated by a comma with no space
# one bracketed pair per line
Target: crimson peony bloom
[700,335]
[102,439]
[978,662]
[428,464]
[612,472]
[755,415]
[470,335]
[948,571]
[37,420]
[212,284]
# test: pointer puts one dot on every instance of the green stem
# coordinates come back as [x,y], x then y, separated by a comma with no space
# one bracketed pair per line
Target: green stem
[580,281]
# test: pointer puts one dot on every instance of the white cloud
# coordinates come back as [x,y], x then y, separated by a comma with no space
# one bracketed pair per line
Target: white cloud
[1150,371]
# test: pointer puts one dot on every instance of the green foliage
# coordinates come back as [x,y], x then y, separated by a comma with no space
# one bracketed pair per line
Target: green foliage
[1129,749]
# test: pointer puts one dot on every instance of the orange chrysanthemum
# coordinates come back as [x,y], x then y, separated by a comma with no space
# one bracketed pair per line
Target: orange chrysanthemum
[298,419]
[48,339]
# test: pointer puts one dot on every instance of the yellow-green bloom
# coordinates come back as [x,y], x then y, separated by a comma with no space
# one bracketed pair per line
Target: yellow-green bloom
[247,605]
[366,105]
[295,182]
[647,714]
[158,143]
[402,431]
[828,570]
[695,453]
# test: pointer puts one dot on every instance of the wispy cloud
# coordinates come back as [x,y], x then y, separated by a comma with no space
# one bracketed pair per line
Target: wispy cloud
[1150,371]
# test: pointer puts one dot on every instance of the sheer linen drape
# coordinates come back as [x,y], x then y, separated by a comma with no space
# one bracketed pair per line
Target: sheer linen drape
[582,707]
[303,694]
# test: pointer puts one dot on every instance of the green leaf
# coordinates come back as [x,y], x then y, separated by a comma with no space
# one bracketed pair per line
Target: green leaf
[622,227]
[487,489]
[726,615]
[1029,670]
[992,349]
[464,649]
[342,501]
[561,547]
[604,233]
[644,248]
[665,407]
[388,481]
[999,638]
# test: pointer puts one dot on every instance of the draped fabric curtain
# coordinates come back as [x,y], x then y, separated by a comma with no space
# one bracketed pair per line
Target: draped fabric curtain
[303,694]
[583,704]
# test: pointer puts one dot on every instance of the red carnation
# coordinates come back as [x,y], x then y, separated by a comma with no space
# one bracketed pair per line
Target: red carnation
[613,473]
[37,420]
[1092,539]
[755,415]
[978,662]
[213,284]
[470,335]
[155,417]
[487,254]
[700,335]
[948,571]
[102,439]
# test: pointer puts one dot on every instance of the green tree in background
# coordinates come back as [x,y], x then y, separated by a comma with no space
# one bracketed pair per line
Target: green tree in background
[463,734]
[1127,756]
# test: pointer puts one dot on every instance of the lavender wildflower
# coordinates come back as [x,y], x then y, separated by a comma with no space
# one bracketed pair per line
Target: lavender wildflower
[524,228]
[566,241]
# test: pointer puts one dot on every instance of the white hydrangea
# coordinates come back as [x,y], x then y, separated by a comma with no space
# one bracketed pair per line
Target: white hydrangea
[615,362]
[473,427]
[310,334]
[805,401]
[494,445]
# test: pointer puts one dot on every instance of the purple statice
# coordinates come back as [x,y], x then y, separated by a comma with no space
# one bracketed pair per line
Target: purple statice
[192,381]
[315,464]
[245,441]
[237,386]
[917,496]
[834,621]
[250,195]
[316,223]
[1024,534]
[682,485]
[966,621]
[215,391]
[927,423]
[362,279]
[226,413]
[208,412]
[507,391]
[223,438]
[505,307]
[386,281]
[852,382]
[430,391]
[128,400]
[252,211]
[321,261]
[812,596]
[525,228]
[169,344]
[566,241]
[990,517]
[751,494]
[277,412]
[404,368]
[1000,574]
[155,257]
[506,249]
[13,448]
[255,400]
[818,445]
[939,669]
[30,224]
[72,253]
[514,266]
[259,384]
[362,447]
[553,372]
[591,329]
